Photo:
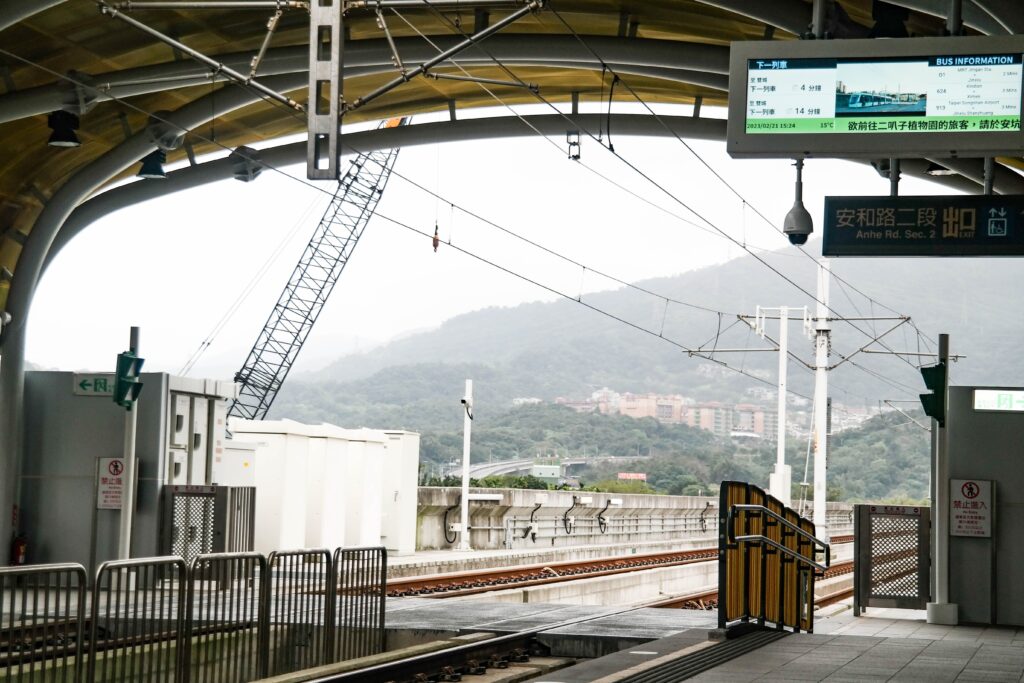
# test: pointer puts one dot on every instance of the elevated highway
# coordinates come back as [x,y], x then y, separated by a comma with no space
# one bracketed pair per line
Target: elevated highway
[481,470]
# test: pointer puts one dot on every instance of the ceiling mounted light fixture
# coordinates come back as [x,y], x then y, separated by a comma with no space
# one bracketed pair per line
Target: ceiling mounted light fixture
[64,124]
[153,165]
[935,169]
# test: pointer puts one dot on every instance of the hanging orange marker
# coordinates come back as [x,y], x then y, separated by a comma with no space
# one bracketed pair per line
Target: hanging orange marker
[437,238]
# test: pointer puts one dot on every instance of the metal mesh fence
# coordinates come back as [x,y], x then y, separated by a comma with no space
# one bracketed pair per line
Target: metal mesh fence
[894,548]
[192,525]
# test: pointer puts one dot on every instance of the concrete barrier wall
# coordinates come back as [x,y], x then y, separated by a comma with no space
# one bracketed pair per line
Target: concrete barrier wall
[526,519]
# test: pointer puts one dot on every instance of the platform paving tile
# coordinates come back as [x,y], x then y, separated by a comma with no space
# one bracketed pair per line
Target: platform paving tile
[983,675]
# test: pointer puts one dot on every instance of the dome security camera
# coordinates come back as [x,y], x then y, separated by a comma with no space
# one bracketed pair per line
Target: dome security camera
[798,224]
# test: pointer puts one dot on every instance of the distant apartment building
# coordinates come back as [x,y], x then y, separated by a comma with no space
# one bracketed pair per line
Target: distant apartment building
[585,406]
[607,401]
[715,417]
[722,419]
[662,408]
[750,419]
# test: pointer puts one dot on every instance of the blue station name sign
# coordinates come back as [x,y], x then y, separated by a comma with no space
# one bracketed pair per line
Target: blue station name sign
[957,225]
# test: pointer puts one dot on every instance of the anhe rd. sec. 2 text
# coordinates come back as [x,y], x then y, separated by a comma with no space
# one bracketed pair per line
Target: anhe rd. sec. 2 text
[905,234]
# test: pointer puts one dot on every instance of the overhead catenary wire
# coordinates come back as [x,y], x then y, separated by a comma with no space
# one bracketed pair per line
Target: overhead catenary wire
[693,352]
[529,125]
[157,117]
[605,67]
[247,290]
[696,155]
[129,105]
[671,195]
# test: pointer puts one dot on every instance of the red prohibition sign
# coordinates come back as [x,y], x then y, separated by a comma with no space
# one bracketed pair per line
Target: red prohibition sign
[115,467]
[970,489]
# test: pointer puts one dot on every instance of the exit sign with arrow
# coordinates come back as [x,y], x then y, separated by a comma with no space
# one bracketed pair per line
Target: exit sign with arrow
[956,225]
[95,384]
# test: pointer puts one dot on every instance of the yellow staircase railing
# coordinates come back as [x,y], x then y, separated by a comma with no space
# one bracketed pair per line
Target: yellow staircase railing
[768,558]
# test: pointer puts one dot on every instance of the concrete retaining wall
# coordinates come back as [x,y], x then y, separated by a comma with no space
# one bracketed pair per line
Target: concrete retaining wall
[524,519]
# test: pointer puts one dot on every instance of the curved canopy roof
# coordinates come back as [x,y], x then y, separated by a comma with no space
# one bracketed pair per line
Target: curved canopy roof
[67,55]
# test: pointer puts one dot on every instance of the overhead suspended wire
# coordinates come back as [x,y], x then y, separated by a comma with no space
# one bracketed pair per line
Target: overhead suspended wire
[694,153]
[547,250]
[629,164]
[192,131]
[632,166]
[742,245]
[247,290]
[540,134]
[693,352]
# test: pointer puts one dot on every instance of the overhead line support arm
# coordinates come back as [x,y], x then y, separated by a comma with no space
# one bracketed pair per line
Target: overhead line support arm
[200,57]
[447,54]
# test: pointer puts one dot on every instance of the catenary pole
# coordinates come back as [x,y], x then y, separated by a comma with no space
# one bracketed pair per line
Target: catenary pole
[821,347]
[780,481]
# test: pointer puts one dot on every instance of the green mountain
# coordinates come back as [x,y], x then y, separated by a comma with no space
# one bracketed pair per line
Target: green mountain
[547,350]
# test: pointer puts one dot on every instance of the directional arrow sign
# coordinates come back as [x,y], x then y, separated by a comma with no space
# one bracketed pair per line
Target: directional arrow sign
[96,384]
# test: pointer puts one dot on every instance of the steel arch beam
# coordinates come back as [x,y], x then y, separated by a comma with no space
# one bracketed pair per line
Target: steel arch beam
[191,177]
[1007,12]
[973,16]
[30,264]
[789,15]
[705,65]
[13,11]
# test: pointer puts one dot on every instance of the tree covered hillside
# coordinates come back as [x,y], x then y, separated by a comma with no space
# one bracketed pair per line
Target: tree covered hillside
[560,348]
[885,460]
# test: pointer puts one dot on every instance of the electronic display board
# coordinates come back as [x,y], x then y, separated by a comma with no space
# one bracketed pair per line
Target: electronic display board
[953,225]
[939,97]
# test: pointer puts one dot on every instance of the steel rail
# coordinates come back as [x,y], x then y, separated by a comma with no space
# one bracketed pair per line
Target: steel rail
[484,581]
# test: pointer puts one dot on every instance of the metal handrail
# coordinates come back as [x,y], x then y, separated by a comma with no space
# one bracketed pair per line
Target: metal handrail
[758,538]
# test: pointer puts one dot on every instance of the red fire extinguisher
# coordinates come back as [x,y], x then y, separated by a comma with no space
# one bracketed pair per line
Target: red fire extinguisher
[19,549]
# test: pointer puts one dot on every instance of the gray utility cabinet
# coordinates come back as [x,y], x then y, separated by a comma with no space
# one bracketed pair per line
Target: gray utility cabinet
[181,428]
[986,443]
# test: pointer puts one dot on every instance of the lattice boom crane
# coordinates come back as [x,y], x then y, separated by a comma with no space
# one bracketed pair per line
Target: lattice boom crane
[312,281]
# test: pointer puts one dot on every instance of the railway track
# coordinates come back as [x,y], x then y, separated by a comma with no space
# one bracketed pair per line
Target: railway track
[486,580]
[451,664]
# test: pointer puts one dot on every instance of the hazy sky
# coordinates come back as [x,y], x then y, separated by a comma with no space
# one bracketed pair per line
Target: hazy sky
[196,252]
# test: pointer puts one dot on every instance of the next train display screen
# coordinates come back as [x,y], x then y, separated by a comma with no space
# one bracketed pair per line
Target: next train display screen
[966,93]
[909,98]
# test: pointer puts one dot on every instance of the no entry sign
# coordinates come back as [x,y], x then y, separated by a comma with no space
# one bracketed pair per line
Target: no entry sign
[970,507]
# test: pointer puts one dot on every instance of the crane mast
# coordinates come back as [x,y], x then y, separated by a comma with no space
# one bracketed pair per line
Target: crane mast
[312,281]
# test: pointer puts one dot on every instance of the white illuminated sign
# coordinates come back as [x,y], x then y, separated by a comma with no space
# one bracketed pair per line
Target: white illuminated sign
[959,93]
[950,97]
[1002,400]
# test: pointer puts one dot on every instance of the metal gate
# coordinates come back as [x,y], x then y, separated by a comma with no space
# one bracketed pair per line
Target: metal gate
[199,520]
[892,551]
